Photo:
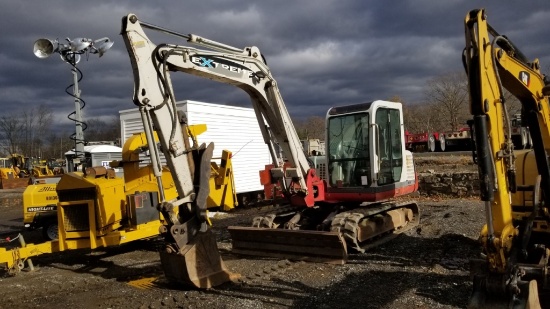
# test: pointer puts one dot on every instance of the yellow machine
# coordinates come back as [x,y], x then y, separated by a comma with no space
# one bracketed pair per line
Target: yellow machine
[97,209]
[38,168]
[40,200]
[27,167]
[10,180]
[55,165]
[515,185]
[7,173]
[9,177]
[222,188]
[40,209]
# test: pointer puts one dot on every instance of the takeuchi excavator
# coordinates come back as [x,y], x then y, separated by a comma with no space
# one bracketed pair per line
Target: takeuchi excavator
[515,185]
[366,162]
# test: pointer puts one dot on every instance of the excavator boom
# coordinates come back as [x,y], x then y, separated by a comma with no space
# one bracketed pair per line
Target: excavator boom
[514,184]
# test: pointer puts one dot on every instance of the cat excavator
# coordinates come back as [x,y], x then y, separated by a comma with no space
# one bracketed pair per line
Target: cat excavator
[513,271]
[366,162]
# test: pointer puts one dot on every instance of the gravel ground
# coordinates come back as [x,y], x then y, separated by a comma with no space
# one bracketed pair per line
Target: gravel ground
[426,267]
[422,268]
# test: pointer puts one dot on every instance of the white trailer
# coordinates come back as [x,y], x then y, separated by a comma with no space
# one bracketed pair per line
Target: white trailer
[96,155]
[229,127]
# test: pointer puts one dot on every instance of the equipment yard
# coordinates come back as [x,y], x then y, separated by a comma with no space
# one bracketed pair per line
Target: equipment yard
[426,267]
[389,181]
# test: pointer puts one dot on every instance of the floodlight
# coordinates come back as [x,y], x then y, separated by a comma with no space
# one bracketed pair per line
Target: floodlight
[101,46]
[79,44]
[43,48]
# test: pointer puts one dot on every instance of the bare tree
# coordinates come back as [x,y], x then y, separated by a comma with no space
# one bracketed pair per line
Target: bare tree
[102,130]
[419,118]
[396,98]
[315,127]
[26,131]
[11,130]
[448,97]
[57,144]
[36,123]
[312,127]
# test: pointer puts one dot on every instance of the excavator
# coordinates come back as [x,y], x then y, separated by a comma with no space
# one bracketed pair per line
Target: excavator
[513,271]
[366,163]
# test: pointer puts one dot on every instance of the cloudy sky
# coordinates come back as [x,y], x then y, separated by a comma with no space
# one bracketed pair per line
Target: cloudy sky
[322,52]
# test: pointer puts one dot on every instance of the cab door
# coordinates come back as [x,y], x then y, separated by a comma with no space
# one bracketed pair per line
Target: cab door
[387,145]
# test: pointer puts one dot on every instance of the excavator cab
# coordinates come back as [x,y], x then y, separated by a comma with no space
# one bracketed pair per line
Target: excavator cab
[349,159]
[366,151]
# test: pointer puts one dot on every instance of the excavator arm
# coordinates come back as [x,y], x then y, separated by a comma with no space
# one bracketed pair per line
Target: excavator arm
[153,94]
[191,255]
[244,68]
[493,63]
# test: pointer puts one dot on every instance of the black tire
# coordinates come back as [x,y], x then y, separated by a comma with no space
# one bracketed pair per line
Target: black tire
[431,143]
[50,231]
[441,143]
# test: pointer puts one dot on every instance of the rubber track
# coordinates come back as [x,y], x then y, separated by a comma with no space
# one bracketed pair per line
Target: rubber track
[347,223]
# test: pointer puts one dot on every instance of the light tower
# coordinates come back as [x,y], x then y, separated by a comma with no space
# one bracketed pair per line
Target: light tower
[70,53]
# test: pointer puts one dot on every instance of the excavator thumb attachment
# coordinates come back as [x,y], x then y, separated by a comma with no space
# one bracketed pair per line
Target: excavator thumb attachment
[528,299]
[198,264]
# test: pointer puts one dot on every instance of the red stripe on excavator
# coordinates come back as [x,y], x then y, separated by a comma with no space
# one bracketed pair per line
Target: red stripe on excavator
[333,197]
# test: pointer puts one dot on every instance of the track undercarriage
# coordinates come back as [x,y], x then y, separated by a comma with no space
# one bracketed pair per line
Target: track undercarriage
[323,233]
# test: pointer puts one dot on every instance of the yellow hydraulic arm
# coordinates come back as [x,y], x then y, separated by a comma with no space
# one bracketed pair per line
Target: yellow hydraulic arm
[494,63]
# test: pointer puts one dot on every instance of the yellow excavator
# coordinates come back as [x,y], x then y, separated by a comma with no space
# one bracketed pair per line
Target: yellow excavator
[515,185]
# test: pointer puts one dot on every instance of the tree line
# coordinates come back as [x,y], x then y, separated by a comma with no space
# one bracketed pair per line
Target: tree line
[31,132]
[445,107]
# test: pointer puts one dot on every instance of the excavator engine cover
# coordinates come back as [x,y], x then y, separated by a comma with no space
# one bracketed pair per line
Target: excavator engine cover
[198,264]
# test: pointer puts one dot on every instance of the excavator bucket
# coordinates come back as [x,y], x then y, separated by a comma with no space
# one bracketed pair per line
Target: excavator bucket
[198,264]
[528,299]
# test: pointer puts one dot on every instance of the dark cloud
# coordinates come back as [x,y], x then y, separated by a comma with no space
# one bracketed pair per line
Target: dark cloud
[322,53]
